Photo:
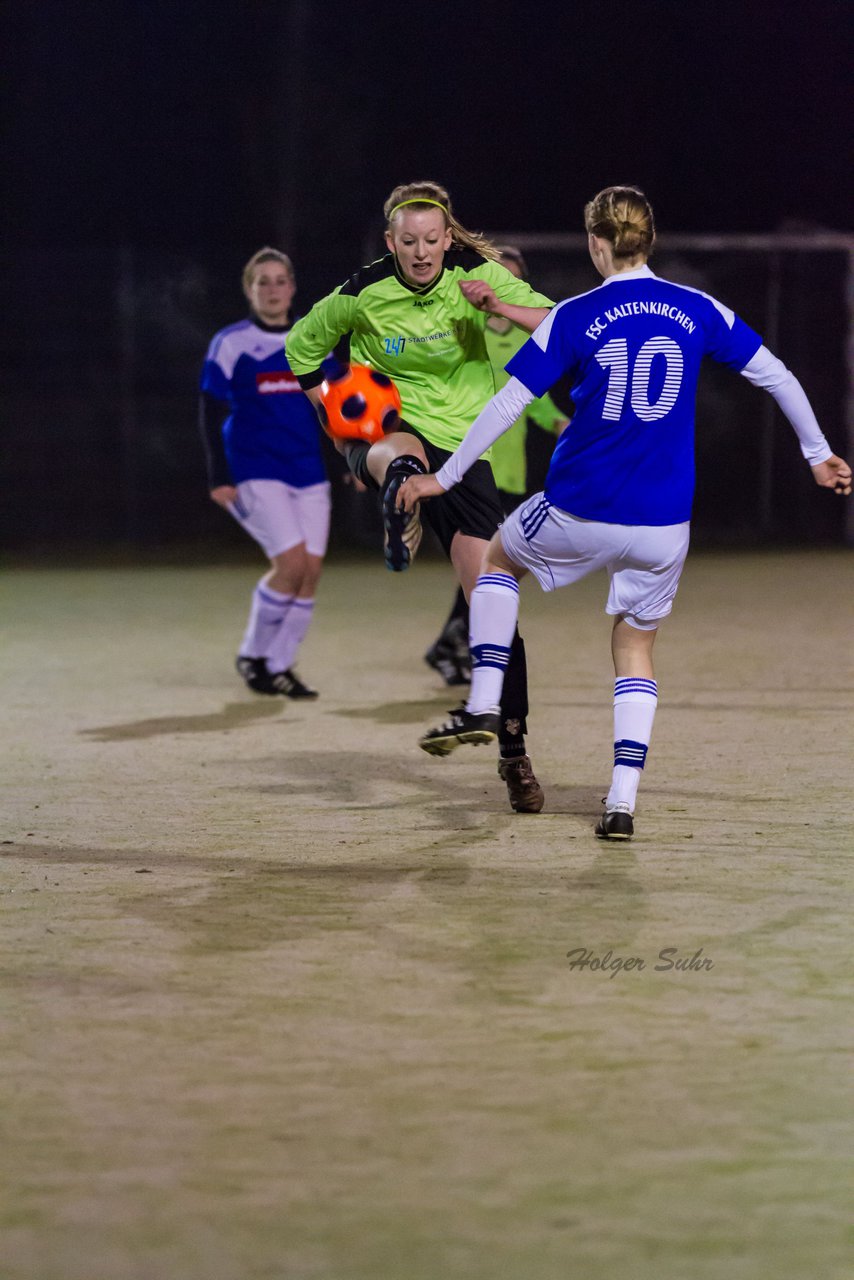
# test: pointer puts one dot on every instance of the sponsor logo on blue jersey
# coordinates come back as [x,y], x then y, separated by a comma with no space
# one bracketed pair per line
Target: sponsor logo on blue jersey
[271,432]
[273,382]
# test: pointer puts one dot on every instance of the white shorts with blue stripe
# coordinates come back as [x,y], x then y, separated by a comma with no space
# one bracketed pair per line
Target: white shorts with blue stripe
[644,562]
[280,516]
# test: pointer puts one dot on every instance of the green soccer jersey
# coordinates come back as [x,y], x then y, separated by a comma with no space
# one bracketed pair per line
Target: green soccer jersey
[508,451]
[430,341]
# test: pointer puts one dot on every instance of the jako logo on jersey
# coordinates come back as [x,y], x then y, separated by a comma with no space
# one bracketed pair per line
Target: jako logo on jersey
[271,383]
[423,302]
[394,346]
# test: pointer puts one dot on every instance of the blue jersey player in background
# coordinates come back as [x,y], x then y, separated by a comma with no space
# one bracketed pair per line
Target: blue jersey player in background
[620,486]
[262,445]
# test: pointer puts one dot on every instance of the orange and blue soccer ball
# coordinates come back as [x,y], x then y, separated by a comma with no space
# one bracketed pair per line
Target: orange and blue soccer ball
[359,404]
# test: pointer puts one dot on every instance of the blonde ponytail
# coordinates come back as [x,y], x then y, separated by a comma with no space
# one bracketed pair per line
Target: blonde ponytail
[623,217]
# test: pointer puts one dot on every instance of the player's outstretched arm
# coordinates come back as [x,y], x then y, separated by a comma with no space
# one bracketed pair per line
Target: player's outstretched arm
[496,417]
[482,295]
[834,473]
[765,370]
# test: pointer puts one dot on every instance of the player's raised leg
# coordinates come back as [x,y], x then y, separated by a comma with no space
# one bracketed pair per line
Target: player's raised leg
[384,466]
[390,462]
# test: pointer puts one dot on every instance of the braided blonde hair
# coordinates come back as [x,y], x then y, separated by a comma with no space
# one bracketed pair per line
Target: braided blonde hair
[623,217]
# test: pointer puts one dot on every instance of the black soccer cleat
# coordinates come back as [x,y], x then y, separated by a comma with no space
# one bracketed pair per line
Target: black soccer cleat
[401,529]
[257,677]
[451,666]
[462,727]
[289,685]
[449,655]
[616,823]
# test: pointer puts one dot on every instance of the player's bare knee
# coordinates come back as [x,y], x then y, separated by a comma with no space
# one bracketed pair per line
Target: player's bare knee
[632,641]
[311,576]
[288,571]
[395,445]
[497,560]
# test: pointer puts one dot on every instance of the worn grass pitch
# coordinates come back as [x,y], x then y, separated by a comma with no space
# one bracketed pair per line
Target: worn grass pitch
[285,998]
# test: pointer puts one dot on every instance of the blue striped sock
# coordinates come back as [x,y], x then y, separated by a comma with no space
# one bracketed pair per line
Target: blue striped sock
[494,609]
[265,620]
[283,648]
[635,702]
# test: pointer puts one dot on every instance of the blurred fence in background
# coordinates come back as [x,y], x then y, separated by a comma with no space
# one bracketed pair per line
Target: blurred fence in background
[103,351]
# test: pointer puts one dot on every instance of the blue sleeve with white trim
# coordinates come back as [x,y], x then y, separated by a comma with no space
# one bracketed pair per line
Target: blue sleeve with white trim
[547,355]
[729,340]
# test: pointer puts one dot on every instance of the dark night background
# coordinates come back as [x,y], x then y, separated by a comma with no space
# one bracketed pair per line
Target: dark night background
[152,147]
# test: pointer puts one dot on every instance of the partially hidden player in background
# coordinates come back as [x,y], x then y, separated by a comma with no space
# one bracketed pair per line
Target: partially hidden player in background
[262,446]
[449,653]
[408,316]
[619,489]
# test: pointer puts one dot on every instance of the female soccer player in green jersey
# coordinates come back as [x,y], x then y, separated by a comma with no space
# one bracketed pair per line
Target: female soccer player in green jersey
[414,315]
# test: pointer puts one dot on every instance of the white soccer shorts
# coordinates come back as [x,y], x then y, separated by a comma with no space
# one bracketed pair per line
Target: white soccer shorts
[280,516]
[644,562]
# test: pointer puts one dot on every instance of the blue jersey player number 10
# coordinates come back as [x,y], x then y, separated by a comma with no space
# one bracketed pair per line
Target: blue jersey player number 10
[620,486]
[614,357]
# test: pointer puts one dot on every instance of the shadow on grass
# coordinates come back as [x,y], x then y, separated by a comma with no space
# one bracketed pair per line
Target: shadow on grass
[234,715]
[401,712]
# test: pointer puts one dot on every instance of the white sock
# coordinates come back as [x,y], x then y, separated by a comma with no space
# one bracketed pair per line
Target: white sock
[494,611]
[287,640]
[265,619]
[635,701]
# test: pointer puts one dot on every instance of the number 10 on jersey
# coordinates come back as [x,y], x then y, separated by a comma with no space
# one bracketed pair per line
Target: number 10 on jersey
[614,357]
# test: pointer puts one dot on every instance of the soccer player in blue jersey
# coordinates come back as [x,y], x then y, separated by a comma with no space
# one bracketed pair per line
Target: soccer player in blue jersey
[262,445]
[619,489]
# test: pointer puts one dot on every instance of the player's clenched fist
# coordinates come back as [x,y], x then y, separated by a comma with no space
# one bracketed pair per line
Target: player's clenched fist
[834,473]
[480,295]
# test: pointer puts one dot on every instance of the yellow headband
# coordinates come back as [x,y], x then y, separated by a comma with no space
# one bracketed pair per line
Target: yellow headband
[419,200]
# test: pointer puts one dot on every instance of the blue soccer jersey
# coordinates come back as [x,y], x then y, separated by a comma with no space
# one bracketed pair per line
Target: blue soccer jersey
[633,349]
[272,431]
